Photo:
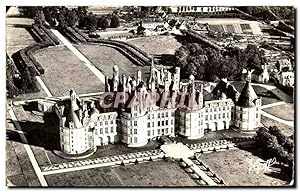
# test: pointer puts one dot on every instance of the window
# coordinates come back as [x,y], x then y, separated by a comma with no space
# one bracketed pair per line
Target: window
[173,114]
[215,116]
[101,131]
[111,129]
[158,115]
[135,139]
[158,123]
[166,130]
[167,122]
[167,114]
[152,132]
[152,124]
[171,121]
[134,123]
[152,116]
[106,123]
[149,133]
[148,124]
[135,114]
[158,131]
[162,123]
[199,123]
[206,117]
[106,130]
[206,110]
[219,115]
[100,123]
[223,115]
[162,115]
[215,109]
[149,116]
[135,131]
[210,117]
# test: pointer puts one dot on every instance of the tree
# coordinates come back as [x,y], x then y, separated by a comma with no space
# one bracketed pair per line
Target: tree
[61,20]
[71,18]
[115,21]
[29,11]
[103,22]
[91,23]
[82,10]
[39,18]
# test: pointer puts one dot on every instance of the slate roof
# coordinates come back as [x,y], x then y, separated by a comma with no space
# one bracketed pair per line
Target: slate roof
[247,96]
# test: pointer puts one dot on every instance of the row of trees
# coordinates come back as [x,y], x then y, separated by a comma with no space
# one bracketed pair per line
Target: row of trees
[18,83]
[208,64]
[276,144]
[283,12]
[75,17]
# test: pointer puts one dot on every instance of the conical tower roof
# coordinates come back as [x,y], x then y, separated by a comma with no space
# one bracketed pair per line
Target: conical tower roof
[72,116]
[247,96]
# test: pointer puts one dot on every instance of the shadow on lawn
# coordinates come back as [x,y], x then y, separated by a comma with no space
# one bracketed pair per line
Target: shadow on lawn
[39,134]
[282,172]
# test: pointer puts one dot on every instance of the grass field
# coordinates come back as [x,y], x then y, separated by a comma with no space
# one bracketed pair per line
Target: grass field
[156,44]
[287,130]
[156,173]
[285,111]
[17,37]
[64,71]
[232,166]
[104,58]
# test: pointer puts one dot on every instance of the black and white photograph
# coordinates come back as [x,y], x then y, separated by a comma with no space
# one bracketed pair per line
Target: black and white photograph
[150,96]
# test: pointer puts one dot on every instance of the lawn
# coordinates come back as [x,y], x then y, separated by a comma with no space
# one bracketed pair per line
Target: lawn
[104,58]
[156,45]
[156,173]
[287,130]
[233,165]
[285,111]
[17,37]
[64,71]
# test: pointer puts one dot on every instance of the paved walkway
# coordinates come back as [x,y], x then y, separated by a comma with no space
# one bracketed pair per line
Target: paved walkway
[289,123]
[31,156]
[79,55]
[111,161]
[272,104]
[41,82]
[180,151]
